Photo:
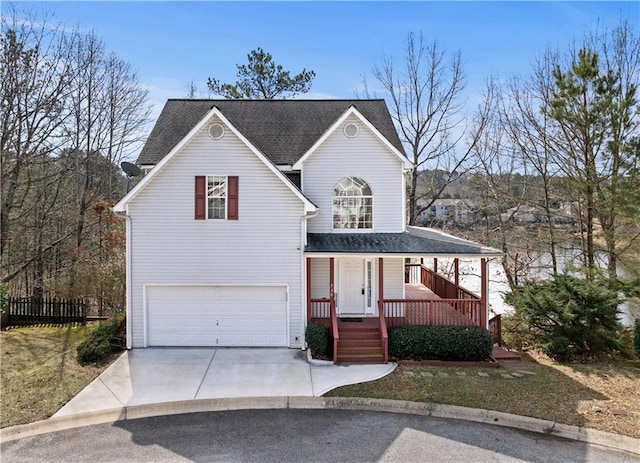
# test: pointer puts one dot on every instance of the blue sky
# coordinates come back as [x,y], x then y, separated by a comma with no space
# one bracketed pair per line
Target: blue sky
[172,43]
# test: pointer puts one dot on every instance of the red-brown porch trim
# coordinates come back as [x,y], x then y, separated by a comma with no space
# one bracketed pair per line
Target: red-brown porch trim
[308,290]
[484,291]
[449,303]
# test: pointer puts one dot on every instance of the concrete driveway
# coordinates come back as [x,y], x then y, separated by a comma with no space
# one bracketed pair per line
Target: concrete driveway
[155,375]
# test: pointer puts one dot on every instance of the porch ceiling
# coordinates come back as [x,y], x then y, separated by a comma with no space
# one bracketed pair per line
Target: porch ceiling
[414,242]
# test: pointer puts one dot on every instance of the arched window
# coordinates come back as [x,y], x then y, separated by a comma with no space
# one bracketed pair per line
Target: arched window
[352,204]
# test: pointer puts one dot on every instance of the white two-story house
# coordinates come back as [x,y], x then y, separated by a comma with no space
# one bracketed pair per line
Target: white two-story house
[257,217]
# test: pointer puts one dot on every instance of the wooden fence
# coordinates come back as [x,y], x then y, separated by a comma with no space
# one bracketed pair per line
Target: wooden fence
[36,311]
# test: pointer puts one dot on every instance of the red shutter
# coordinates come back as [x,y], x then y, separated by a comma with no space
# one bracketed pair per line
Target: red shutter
[201,197]
[232,207]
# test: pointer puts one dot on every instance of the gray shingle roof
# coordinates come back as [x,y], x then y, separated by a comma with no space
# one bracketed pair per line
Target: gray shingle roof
[408,243]
[283,130]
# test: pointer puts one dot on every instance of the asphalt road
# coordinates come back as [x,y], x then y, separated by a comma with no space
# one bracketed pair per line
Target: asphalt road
[301,436]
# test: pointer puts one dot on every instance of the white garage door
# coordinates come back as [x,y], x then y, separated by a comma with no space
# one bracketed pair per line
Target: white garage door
[217,316]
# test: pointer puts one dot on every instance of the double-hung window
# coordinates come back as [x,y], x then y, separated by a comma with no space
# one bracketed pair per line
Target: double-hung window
[216,197]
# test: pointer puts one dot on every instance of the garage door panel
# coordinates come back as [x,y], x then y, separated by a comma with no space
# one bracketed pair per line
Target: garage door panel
[216,316]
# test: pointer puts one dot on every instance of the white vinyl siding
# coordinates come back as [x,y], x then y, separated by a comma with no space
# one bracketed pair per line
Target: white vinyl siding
[319,278]
[393,278]
[170,247]
[365,157]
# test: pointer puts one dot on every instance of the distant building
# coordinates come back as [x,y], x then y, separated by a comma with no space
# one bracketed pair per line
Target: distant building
[561,213]
[456,210]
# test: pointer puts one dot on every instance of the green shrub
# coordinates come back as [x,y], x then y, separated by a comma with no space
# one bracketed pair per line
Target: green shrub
[569,317]
[516,334]
[317,336]
[454,343]
[4,297]
[636,337]
[4,306]
[106,339]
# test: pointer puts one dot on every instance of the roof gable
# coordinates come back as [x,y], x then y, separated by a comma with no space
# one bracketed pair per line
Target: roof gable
[214,112]
[352,111]
[282,130]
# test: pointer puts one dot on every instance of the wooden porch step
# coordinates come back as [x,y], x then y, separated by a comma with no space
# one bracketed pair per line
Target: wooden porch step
[359,343]
[360,356]
[375,349]
[360,351]
[359,336]
[362,359]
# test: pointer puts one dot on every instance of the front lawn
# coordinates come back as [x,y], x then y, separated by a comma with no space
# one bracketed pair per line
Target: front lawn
[604,396]
[39,372]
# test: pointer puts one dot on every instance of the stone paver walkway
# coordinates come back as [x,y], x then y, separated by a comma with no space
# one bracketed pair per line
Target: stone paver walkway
[499,373]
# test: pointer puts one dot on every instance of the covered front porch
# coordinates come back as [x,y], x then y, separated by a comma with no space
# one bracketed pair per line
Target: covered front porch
[430,299]
[359,289]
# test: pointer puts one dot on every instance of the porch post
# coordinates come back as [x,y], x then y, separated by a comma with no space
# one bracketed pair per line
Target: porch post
[308,290]
[435,265]
[380,286]
[456,270]
[484,292]
[332,294]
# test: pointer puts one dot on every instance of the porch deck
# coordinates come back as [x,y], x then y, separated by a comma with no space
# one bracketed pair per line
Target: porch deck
[420,292]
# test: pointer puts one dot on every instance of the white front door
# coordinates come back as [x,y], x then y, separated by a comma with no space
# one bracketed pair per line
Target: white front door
[355,278]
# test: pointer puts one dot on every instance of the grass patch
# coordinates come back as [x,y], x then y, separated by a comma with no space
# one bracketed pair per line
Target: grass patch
[565,393]
[39,372]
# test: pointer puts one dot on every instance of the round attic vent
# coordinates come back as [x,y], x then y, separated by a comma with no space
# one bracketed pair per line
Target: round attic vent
[216,131]
[351,130]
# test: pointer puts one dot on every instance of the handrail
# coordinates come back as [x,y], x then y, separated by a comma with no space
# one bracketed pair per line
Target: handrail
[383,332]
[435,275]
[334,329]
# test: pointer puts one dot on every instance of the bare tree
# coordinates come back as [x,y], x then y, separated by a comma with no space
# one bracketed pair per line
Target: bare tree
[34,75]
[426,97]
[69,113]
[503,188]
[528,129]
[109,108]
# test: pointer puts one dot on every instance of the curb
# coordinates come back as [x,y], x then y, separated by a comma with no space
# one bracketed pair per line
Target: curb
[587,435]
[316,362]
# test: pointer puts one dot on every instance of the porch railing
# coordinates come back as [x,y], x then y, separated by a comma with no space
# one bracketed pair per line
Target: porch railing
[334,330]
[321,311]
[384,336]
[440,285]
[432,312]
